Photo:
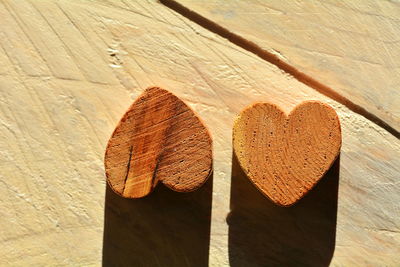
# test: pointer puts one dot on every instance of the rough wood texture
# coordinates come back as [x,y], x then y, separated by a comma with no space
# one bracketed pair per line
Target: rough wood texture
[71,68]
[285,156]
[349,46]
[159,139]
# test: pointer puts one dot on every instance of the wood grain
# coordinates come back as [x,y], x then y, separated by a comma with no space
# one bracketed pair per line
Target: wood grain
[55,126]
[349,47]
[285,156]
[159,139]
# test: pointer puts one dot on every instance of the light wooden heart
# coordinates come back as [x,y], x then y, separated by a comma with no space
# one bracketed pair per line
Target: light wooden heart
[159,139]
[285,156]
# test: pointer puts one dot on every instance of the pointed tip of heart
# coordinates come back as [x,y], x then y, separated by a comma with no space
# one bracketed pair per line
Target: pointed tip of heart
[158,139]
[286,155]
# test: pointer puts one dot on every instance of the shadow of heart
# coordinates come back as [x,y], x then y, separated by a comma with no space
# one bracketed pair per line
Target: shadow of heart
[165,228]
[264,234]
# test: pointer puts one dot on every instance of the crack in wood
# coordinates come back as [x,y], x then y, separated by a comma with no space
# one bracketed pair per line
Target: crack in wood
[128,167]
[275,60]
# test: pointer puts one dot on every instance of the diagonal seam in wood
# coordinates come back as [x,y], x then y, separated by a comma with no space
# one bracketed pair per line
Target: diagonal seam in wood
[128,167]
[273,59]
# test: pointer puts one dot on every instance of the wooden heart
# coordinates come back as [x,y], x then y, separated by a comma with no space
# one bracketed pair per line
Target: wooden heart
[285,156]
[159,139]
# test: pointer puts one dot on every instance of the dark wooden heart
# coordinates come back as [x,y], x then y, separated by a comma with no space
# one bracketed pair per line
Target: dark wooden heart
[285,156]
[159,139]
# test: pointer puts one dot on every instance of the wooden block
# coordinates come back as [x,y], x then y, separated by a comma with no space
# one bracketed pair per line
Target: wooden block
[285,156]
[159,139]
[55,126]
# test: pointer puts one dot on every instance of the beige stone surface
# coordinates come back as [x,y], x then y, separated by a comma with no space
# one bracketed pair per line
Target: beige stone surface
[68,72]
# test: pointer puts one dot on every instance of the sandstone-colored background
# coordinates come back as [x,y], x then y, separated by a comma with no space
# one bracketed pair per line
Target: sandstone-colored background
[70,69]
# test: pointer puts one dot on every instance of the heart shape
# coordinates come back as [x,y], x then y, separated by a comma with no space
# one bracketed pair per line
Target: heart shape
[159,139]
[285,156]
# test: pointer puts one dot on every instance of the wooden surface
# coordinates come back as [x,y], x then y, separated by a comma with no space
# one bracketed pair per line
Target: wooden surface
[285,156]
[70,69]
[349,46]
[159,139]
